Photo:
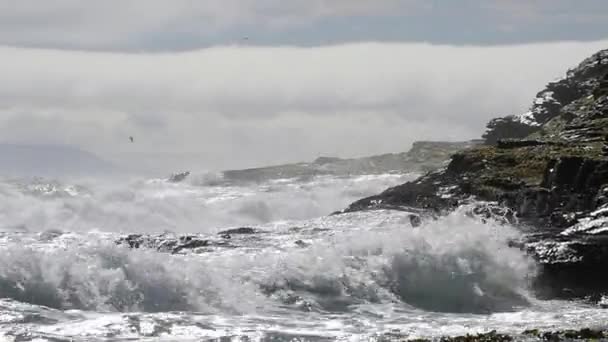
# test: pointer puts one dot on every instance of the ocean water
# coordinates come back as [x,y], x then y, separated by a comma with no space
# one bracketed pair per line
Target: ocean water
[303,276]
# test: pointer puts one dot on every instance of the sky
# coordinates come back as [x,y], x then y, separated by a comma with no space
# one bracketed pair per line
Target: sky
[217,84]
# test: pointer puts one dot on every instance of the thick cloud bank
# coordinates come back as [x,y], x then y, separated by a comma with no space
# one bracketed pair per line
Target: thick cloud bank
[238,106]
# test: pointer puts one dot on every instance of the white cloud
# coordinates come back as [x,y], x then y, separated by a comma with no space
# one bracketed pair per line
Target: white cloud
[237,106]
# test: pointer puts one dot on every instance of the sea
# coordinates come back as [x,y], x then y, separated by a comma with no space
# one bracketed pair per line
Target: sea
[298,273]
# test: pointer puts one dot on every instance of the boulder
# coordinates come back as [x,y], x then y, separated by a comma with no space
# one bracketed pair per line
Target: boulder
[178,177]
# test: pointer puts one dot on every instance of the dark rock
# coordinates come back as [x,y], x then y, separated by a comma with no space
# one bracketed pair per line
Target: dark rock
[574,335]
[507,128]
[132,240]
[495,212]
[190,244]
[301,243]
[169,243]
[571,268]
[178,177]
[241,230]
[415,220]
[514,143]
[584,334]
[559,219]
[421,194]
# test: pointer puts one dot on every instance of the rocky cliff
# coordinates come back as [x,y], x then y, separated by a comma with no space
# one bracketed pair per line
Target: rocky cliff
[581,85]
[546,170]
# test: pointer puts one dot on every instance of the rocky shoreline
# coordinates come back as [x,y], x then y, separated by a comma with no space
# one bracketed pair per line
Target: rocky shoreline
[528,336]
[545,170]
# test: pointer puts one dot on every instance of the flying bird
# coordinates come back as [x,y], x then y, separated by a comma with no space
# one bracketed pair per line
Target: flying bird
[131,138]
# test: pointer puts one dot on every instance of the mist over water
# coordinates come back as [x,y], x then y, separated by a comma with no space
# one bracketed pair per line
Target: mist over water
[202,204]
[303,274]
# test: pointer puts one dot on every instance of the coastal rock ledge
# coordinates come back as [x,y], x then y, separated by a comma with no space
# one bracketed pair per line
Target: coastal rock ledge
[545,170]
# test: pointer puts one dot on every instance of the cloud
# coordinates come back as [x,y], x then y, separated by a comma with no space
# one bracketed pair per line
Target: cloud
[185,24]
[242,106]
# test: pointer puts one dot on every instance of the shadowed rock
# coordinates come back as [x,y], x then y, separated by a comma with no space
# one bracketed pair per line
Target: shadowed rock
[178,177]
[241,230]
[171,243]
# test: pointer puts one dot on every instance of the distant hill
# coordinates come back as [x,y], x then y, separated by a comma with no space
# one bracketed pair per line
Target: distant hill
[50,161]
[422,157]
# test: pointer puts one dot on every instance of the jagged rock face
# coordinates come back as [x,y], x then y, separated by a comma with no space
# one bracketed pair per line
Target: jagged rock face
[552,171]
[587,79]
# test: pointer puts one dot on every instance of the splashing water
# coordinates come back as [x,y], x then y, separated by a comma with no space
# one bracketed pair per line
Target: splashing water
[156,205]
[302,275]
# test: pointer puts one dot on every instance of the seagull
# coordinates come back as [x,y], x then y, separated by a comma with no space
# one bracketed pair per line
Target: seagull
[131,138]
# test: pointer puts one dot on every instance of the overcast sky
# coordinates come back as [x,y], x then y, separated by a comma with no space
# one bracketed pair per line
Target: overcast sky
[224,83]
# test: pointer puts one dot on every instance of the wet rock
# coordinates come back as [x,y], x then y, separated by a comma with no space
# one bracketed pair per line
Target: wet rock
[178,177]
[584,334]
[49,235]
[415,220]
[574,335]
[170,243]
[515,143]
[301,243]
[571,267]
[494,212]
[190,243]
[241,230]
[411,196]
[132,240]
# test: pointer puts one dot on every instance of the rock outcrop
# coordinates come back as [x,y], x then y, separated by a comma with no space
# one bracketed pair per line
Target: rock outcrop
[178,177]
[588,79]
[189,243]
[549,166]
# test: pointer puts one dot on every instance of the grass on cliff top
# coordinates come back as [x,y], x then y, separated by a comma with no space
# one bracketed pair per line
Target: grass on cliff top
[527,164]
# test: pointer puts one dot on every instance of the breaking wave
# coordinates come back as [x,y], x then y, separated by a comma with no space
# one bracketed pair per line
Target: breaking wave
[455,264]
